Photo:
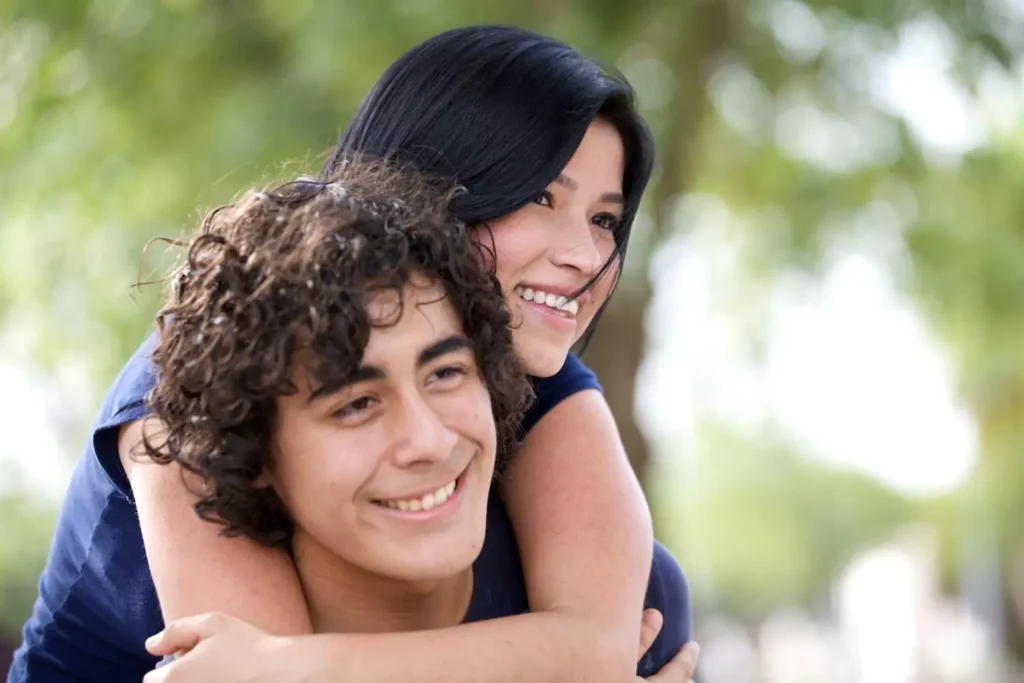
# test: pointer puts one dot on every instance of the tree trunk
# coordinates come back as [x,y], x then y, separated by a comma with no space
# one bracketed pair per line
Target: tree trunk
[619,345]
[615,354]
[7,647]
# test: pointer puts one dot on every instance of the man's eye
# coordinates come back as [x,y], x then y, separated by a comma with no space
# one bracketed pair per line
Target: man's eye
[448,373]
[352,408]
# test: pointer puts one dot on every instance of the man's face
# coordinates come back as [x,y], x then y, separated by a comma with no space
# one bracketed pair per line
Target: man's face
[390,474]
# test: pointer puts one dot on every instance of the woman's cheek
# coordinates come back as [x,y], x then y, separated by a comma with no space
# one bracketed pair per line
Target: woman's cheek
[603,287]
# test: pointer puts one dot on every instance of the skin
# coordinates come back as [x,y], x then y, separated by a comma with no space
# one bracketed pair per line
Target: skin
[580,517]
[214,640]
[421,420]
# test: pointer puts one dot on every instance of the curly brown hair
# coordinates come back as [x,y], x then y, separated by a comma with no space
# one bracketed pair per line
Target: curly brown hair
[291,269]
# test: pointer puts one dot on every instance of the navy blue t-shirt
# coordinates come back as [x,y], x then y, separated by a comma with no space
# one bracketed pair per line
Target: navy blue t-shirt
[97,603]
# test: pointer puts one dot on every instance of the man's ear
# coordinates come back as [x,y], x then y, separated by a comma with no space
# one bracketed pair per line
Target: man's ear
[266,479]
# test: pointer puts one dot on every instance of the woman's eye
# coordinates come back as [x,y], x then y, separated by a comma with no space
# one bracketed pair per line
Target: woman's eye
[545,199]
[352,408]
[606,221]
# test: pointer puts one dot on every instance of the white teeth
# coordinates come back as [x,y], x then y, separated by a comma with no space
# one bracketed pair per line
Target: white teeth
[427,502]
[559,303]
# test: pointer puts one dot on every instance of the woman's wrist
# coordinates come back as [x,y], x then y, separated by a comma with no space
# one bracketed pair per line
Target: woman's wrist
[317,658]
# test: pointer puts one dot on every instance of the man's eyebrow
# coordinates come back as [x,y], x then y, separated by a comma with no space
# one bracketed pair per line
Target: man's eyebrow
[362,374]
[455,342]
[365,373]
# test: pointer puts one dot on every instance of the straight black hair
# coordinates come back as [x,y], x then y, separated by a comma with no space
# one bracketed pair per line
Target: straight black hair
[500,111]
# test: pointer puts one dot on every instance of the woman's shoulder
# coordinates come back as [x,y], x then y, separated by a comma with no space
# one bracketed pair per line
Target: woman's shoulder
[96,599]
[126,401]
[135,380]
[573,378]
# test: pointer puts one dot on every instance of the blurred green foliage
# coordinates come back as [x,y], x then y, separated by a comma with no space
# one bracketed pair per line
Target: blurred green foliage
[772,529]
[23,549]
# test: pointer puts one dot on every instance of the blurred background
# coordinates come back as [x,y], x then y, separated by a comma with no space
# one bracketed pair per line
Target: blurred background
[815,357]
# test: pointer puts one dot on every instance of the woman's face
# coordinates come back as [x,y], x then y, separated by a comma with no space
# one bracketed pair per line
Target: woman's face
[551,248]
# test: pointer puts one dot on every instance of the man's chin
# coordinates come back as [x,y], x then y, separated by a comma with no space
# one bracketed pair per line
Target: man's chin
[427,573]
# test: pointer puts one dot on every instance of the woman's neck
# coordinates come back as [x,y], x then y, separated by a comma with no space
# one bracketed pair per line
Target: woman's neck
[343,598]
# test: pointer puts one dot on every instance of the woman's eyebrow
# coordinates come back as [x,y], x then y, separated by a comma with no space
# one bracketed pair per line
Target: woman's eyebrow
[567,182]
[607,198]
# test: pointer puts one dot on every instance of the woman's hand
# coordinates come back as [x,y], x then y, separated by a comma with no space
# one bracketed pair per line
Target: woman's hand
[217,648]
[681,667]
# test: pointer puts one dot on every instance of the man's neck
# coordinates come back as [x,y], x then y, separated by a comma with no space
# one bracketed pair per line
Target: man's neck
[343,598]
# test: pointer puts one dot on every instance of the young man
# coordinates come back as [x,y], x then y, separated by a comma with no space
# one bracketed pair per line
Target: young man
[318,379]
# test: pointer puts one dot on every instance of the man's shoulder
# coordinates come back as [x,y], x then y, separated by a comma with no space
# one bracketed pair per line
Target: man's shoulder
[499,589]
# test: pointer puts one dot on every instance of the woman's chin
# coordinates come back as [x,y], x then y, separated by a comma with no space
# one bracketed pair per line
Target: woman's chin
[541,360]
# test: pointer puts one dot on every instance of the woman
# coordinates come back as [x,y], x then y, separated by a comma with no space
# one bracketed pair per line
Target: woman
[554,159]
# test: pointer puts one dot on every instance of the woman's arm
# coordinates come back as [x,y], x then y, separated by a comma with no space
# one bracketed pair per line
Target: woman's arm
[222,649]
[583,527]
[196,570]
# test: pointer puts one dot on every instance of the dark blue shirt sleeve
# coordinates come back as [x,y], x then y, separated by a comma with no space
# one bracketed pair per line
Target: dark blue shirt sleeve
[128,403]
[573,378]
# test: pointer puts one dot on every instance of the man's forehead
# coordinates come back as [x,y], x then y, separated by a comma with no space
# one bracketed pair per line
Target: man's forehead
[418,323]
[403,324]
[417,287]
[392,307]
